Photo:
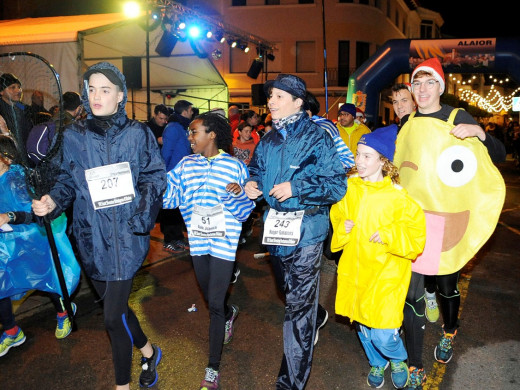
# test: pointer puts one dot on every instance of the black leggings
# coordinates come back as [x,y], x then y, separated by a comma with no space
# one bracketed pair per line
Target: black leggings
[214,275]
[6,314]
[429,283]
[414,319]
[449,296]
[172,225]
[121,324]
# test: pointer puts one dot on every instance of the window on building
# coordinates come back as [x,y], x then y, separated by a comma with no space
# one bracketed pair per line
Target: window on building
[305,56]
[397,18]
[379,4]
[426,29]
[239,61]
[362,53]
[305,1]
[272,2]
[388,9]
[365,2]
[437,30]
[343,63]
[236,3]
[404,26]
[346,1]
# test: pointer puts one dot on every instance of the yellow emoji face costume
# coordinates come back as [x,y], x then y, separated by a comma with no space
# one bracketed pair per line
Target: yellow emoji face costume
[457,185]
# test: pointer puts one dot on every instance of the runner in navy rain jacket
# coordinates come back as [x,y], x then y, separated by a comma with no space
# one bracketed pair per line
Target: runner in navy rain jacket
[310,162]
[112,242]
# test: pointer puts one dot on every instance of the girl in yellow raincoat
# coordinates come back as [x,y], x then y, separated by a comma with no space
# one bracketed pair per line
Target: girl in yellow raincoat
[381,230]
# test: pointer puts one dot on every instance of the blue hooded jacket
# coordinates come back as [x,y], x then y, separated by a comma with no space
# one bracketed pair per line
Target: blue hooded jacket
[308,160]
[113,242]
[175,141]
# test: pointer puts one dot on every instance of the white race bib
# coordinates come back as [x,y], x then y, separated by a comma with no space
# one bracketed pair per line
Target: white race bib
[282,227]
[110,185]
[208,221]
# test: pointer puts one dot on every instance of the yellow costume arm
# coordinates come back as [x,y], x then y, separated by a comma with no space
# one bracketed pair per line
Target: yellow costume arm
[338,215]
[406,235]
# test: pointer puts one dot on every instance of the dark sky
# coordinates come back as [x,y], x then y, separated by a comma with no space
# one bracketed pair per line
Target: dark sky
[462,19]
[467,19]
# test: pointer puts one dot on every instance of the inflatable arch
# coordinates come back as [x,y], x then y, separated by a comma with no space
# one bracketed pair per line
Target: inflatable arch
[400,56]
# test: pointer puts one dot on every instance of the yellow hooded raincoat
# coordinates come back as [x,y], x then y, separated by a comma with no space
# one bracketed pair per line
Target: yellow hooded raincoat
[373,278]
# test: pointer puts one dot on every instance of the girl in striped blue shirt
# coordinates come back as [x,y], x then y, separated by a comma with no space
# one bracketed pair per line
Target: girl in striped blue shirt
[207,186]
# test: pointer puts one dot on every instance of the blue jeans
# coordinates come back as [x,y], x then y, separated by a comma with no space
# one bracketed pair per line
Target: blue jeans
[381,345]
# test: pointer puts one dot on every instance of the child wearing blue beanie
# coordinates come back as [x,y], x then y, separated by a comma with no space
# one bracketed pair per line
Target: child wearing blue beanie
[381,230]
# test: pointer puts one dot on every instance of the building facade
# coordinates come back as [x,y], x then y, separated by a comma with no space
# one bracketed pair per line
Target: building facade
[353,31]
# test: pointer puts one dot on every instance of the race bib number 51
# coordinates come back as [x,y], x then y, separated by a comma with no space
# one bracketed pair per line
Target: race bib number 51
[208,221]
[110,185]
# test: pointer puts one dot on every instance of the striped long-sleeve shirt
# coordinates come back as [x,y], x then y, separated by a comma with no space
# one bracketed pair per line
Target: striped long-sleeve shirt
[345,154]
[199,181]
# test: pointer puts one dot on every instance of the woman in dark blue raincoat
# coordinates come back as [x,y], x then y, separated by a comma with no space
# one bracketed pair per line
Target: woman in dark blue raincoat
[114,176]
[296,169]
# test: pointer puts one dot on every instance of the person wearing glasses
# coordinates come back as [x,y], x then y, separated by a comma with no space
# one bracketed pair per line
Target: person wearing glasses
[428,84]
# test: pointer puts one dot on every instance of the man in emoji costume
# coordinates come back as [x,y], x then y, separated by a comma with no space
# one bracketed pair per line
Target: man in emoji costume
[458,186]
[445,164]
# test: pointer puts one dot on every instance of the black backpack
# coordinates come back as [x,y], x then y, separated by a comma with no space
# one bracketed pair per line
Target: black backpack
[40,139]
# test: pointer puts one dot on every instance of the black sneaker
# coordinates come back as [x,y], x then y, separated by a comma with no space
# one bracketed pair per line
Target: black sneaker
[321,320]
[228,335]
[174,247]
[184,243]
[149,375]
[236,272]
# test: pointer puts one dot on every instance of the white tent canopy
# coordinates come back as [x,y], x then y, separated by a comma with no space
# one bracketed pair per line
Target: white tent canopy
[72,43]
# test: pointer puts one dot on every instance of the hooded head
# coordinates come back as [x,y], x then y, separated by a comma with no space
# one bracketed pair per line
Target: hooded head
[113,74]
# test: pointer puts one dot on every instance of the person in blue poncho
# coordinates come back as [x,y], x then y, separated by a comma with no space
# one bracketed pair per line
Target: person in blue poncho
[25,256]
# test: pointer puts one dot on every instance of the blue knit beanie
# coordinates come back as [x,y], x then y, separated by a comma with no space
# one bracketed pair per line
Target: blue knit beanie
[348,107]
[382,140]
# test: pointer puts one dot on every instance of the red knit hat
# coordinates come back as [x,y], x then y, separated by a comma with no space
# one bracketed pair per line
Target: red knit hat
[433,66]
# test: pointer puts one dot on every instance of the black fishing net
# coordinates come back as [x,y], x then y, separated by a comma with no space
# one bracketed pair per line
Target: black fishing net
[32,73]
[21,112]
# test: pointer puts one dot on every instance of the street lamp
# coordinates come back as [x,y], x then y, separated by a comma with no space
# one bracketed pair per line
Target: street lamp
[131,9]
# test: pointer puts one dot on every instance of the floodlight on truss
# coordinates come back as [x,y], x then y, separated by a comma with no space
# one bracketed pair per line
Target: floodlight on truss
[221,31]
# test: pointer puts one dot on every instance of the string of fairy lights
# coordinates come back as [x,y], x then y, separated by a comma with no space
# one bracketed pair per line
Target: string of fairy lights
[494,101]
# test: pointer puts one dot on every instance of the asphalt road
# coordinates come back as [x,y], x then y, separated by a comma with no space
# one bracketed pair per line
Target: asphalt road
[487,348]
